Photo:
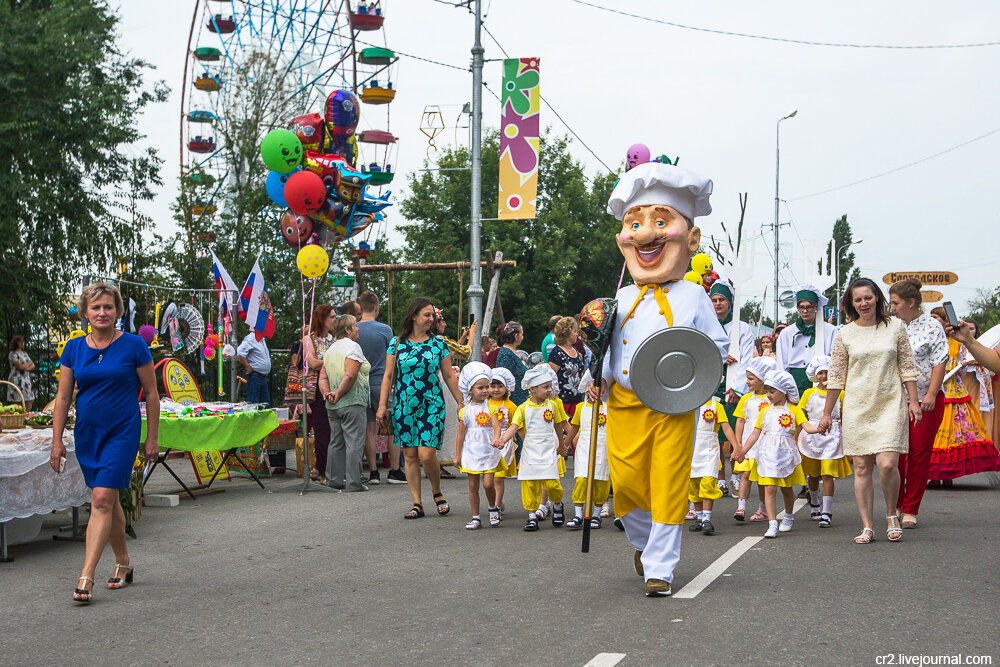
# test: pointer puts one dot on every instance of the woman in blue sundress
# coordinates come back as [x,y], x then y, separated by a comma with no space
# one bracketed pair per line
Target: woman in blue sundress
[412,362]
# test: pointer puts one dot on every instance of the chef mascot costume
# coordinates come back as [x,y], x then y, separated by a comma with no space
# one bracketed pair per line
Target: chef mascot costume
[649,452]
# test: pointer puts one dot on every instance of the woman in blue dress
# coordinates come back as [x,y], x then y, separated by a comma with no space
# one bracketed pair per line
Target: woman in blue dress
[107,367]
[412,362]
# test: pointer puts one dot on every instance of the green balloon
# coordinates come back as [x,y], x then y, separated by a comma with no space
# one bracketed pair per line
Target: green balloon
[281,150]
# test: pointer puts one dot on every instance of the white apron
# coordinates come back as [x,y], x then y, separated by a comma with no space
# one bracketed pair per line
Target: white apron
[822,447]
[705,462]
[510,448]
[777,455]
[750,413]
[581,459]
[447,451]
[478,452]
[539,459]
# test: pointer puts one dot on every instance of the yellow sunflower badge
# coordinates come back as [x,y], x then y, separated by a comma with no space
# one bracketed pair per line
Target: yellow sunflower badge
[548,416]
[602,419]
[785,420]
[483,418]
[709,416]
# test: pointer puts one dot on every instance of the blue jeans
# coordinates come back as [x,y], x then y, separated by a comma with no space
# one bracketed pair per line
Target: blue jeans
[257,391]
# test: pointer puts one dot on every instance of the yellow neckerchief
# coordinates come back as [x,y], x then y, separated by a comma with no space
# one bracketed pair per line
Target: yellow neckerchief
[661,298]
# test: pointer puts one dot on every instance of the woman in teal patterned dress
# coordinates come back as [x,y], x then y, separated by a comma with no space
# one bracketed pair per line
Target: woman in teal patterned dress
[411,365]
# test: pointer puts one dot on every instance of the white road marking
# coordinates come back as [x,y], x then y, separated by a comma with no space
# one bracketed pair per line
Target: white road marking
[723,562]
[606,660]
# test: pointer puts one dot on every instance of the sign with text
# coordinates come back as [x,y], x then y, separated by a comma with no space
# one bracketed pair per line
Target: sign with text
[925,277]
[931,296]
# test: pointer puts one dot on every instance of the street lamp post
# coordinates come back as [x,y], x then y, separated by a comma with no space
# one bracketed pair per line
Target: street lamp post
[836,265]
[475,290]
[777,168]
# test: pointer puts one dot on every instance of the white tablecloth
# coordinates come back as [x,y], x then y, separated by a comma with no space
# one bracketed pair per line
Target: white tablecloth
[28,485]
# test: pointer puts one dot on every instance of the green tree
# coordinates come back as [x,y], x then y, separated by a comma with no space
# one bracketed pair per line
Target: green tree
[842,236]
[72,178]
[984,308]
[565,257]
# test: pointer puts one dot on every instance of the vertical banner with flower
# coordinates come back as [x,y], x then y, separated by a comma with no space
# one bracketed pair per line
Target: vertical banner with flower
[519,139]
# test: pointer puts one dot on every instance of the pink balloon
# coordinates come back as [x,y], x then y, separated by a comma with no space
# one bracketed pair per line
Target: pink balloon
[637,154]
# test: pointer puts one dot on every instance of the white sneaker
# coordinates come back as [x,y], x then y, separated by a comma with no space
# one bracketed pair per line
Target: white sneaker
[606,510]
[772,531]
[541,512]
[785,525]
[734,484]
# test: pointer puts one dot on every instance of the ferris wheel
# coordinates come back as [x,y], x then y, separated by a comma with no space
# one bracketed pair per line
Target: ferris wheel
[314,47]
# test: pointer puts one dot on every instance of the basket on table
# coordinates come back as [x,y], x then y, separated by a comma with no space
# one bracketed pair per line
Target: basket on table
[14,422]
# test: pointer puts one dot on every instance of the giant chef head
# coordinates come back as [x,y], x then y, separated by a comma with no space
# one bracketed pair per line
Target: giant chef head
[657,204]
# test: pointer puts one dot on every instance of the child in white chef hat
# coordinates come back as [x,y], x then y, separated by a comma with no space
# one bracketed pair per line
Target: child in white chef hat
[778,463]
[502,382]
[477,450]
[541,422]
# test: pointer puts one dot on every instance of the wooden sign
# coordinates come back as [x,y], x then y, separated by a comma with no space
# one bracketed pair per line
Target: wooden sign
[931,296]
[925,277]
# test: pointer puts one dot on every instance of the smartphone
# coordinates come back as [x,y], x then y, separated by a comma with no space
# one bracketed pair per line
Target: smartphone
[472,320]
[950,311]
[62,464]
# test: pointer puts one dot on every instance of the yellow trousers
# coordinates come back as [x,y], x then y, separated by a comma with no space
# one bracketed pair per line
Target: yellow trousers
[601,490]
[650,457]
[531,492]
[703,488]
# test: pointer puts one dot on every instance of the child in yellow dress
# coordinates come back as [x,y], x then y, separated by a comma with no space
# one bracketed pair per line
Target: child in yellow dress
[501,384]
[822,453]
[579,433]
[703,489]
[778,463]
[746,412]
[477,450]
[541,422]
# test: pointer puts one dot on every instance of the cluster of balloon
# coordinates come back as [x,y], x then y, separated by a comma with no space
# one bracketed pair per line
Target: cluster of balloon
[314,176]
[640,154]
[701,272]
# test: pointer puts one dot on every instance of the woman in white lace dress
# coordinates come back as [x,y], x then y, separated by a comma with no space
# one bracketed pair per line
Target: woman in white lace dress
[20,365]
[872,362]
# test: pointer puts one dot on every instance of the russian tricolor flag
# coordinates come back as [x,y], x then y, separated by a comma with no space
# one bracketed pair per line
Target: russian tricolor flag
[225,284]
[255,305]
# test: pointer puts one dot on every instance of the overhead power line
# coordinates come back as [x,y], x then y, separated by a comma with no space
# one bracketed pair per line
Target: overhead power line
[804,42]
[900,168]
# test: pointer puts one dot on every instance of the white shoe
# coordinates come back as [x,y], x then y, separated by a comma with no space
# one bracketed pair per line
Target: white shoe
[772,531]
[606,510]
[541,512]
[690,515]
[785,525]
[734,484]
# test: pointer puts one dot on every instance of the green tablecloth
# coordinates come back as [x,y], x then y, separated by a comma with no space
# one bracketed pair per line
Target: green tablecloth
[210,434]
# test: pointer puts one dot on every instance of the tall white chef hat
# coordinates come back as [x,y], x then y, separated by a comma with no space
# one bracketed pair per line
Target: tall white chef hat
[820,363]
[471,373]
[783,382]
[655,183]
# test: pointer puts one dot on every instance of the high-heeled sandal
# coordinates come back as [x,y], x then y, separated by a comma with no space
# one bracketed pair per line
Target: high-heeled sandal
[894,532]
[115,582]
[84,591]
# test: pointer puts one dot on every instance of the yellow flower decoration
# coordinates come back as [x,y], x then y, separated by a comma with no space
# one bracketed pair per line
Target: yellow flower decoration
[785,420]
[709,416]
[502,414]
[548,416]
[483,418]
[602,419]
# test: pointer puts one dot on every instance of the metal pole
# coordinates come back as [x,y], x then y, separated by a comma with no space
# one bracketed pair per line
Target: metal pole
[836,267]
[777,166]
[475,290]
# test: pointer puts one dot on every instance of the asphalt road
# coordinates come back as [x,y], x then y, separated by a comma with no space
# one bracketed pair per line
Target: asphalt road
[249,577]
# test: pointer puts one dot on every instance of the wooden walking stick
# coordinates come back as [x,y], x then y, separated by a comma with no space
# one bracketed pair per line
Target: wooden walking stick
[596,322]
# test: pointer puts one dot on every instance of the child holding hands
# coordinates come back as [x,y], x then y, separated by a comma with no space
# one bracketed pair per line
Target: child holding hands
[541,422]
[477,450]
[778,463]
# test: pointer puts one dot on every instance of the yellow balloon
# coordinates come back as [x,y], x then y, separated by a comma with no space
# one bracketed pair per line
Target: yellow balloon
[694,277]
[312,261]
[701,264]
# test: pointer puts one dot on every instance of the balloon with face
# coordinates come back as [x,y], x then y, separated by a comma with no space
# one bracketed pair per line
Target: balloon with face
[305,192]
[281,151]
[296,229]
[335,214]
[341,112]
[635,155]
[352,184]
[275,186]
[326,167]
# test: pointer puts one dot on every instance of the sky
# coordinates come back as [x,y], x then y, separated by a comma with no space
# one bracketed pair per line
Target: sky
[714,100]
